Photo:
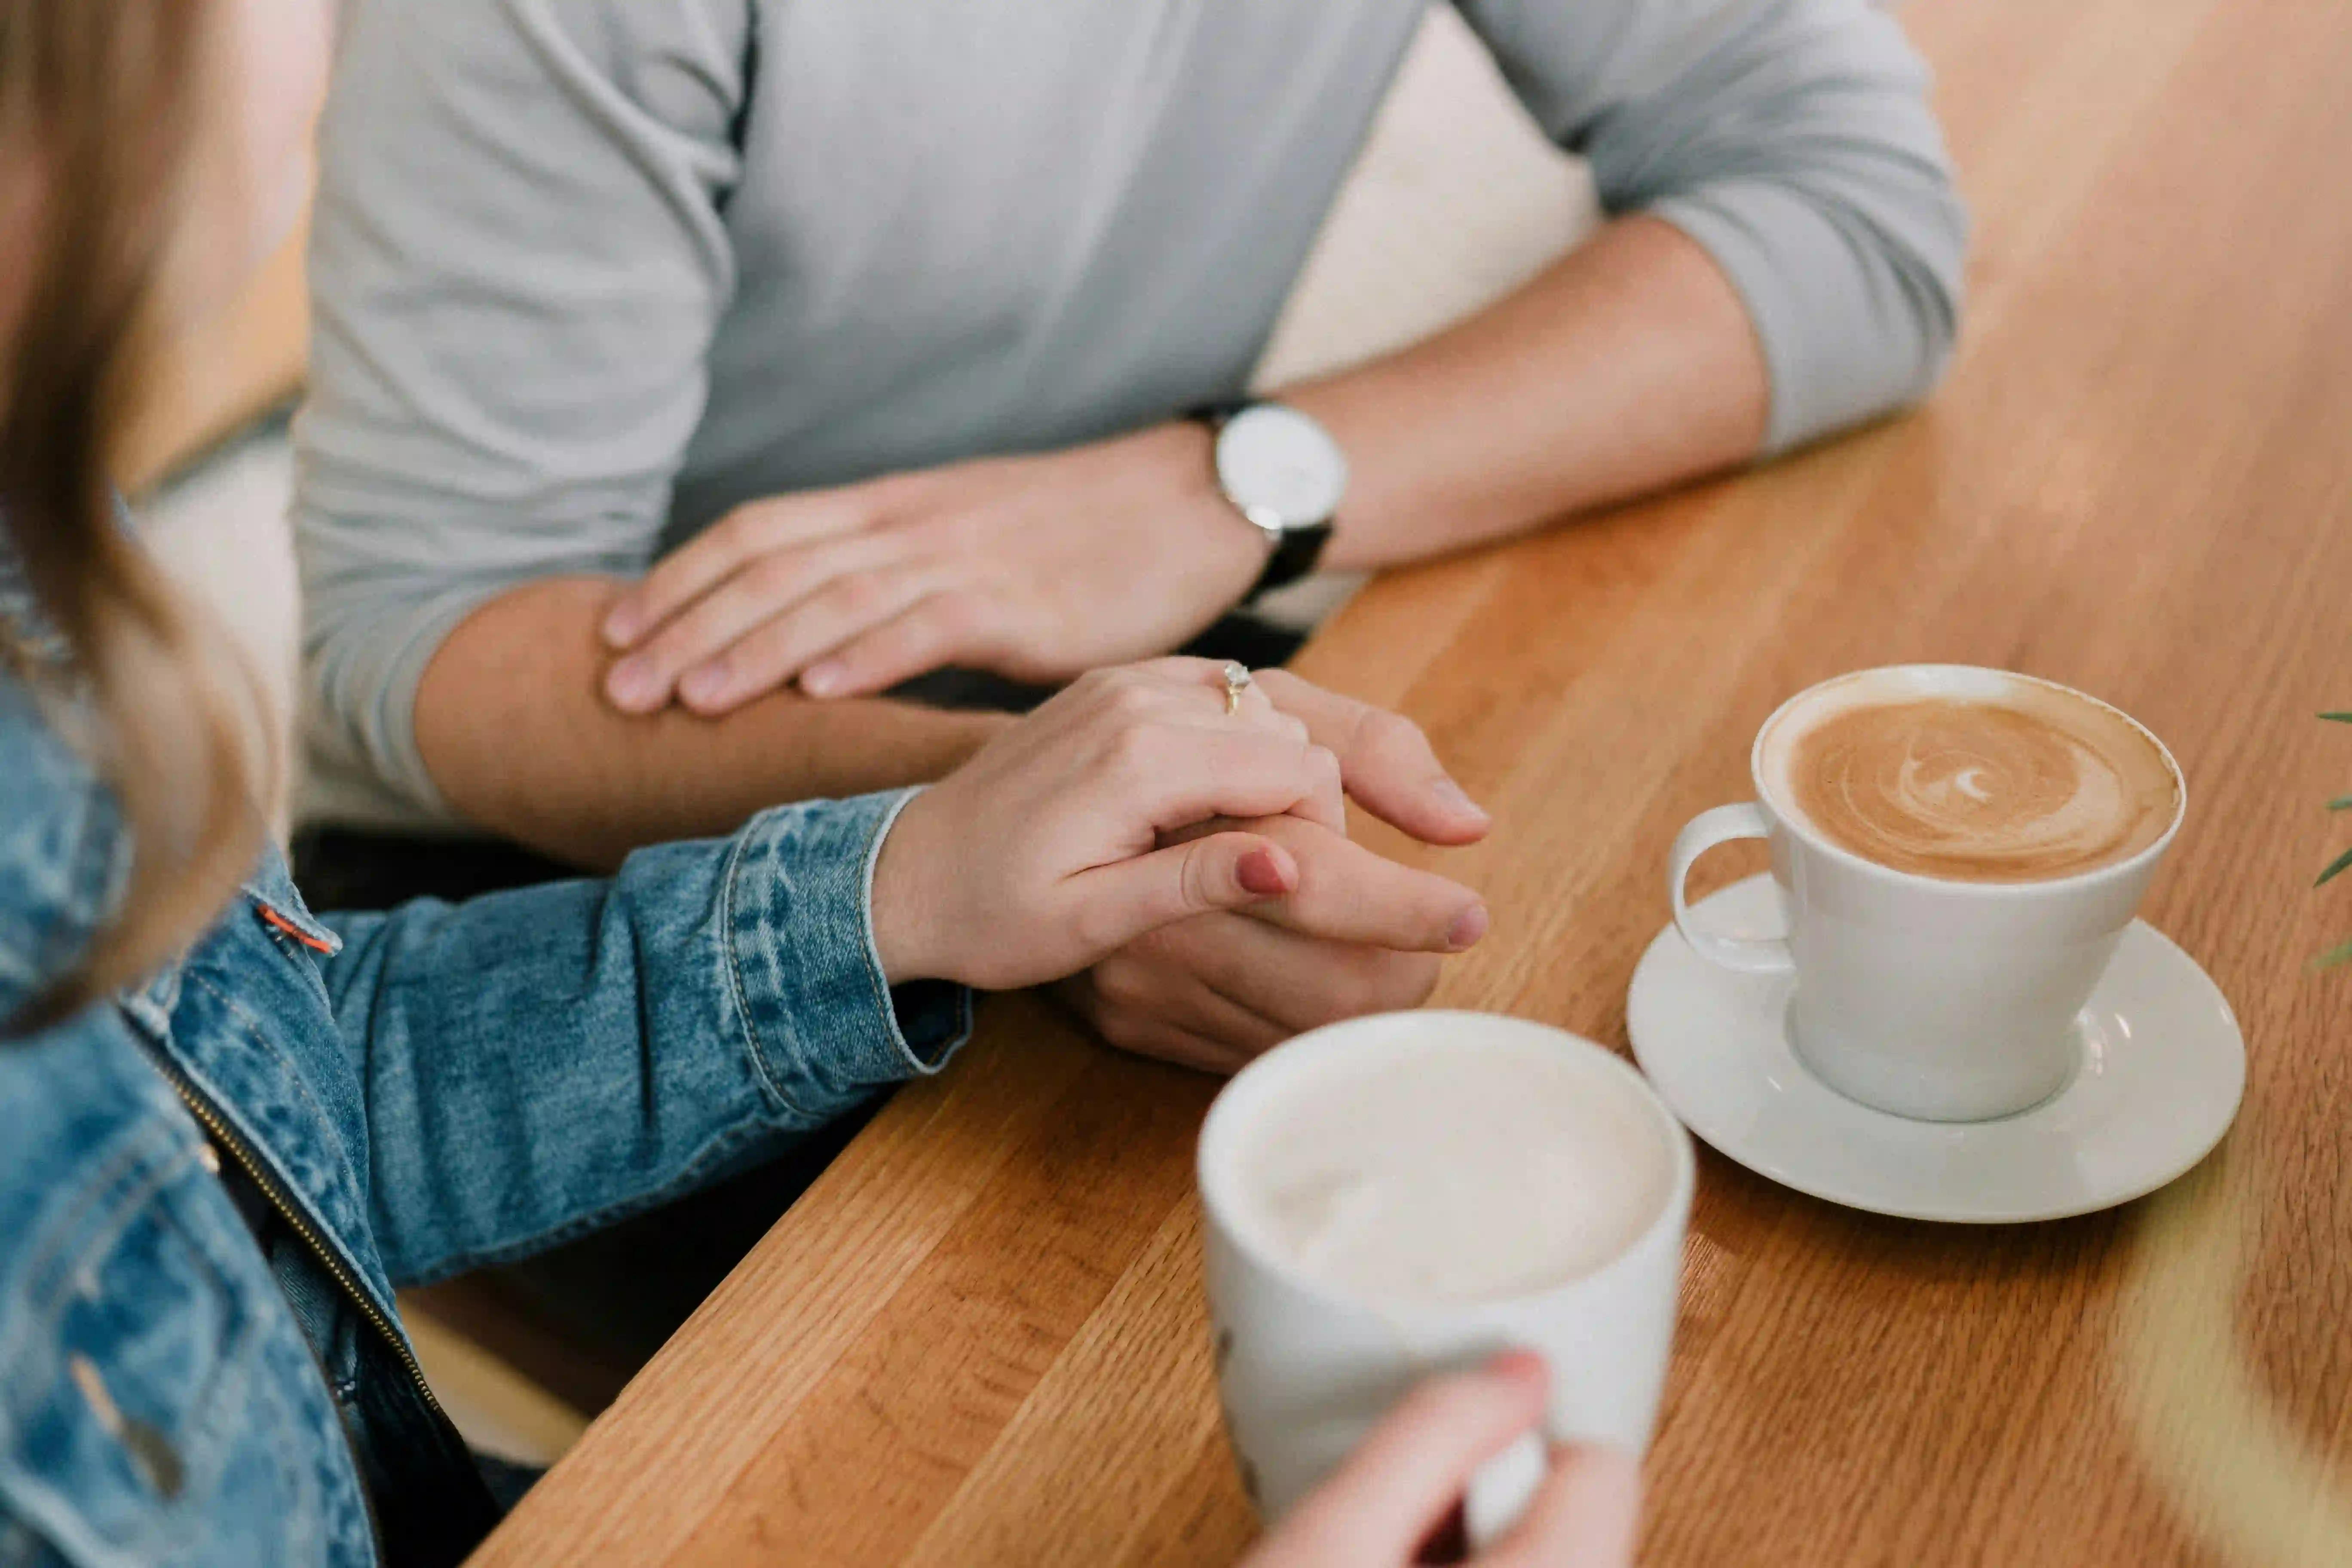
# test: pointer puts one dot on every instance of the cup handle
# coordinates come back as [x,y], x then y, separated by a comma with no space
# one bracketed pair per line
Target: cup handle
[1749,955]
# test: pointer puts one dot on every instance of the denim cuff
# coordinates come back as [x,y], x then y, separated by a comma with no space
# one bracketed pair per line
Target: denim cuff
[825,1027]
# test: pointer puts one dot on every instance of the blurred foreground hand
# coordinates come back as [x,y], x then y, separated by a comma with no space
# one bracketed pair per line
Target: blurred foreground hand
[1397,1498]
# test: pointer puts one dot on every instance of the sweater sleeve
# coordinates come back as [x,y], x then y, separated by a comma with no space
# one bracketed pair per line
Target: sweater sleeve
[518,262]
[1792,140]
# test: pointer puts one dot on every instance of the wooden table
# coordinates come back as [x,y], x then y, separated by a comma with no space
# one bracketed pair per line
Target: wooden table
[980,1337]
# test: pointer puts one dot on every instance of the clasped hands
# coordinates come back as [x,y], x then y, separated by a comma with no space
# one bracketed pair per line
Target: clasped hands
[1184,872]
[1040,568]
[1359,933]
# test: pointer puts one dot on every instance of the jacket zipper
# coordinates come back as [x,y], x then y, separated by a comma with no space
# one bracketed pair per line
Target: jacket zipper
[287,1212]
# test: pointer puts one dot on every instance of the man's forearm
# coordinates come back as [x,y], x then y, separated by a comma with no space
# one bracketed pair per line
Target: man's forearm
[512,725]
[1626,365]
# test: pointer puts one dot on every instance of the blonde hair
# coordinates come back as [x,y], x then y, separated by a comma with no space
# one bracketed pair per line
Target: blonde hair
[107,94]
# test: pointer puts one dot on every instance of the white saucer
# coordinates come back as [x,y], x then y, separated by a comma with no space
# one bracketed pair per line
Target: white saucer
[2163,1068]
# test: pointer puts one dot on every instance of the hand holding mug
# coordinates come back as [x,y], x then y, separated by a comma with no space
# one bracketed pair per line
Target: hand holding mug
[1383,1507]
[1410,1195]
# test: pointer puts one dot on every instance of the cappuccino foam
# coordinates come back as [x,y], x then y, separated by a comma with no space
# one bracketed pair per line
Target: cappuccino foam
[2005,780]
[1431,1173]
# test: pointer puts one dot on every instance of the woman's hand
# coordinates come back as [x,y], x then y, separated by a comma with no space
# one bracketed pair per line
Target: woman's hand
[1359,933]
[1044,852]
[1035,567]
[1356,934]
[1397,1493]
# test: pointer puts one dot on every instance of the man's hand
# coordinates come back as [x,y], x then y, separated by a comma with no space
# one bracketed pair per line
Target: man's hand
[1358,935]
[1388,1506]
[516,734]
[1038,568]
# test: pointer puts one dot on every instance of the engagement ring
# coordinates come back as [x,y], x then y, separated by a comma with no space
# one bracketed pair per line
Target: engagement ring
[1237,680]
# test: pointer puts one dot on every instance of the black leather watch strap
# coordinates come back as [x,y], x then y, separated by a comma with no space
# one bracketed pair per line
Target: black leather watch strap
[1296,556]
[1216,411]
[1292,559]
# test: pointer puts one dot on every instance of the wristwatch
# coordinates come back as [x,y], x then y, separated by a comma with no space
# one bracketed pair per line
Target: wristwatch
[1282,471]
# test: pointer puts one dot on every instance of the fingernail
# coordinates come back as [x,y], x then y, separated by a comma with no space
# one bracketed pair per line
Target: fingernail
[1519,1366]
[823,679]
[1261,874]
[621,626]
[705,682]
[632,684]
[1467,927]
[1453,794]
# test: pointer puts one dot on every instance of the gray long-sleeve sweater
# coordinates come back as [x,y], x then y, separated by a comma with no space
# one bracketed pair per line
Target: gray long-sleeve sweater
[589,273]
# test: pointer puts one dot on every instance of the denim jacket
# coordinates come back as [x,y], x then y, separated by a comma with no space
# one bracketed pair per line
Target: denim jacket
[414,1093]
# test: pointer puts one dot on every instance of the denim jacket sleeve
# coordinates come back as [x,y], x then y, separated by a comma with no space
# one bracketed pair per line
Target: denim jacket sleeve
[540,1062]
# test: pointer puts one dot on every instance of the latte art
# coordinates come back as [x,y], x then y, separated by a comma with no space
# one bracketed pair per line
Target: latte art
[2032,785]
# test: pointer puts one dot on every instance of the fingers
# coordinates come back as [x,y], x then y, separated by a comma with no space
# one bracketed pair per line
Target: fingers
[773,653]
[1179,1047]
[1416,1464]
[1116,903]
[1175,752]
[938,630]
[1350,894]
[764,588]
[1347,893]
[1119,1000]
[720,551]
[1585,1515]
[1197,688]
[1387,762]
[1166,976]
[1175,774]
[1243,985]
[1325,802]
[1190,774]
[1328,806]
[1262,984]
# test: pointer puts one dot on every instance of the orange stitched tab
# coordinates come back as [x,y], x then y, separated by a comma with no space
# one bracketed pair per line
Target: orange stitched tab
[271,917]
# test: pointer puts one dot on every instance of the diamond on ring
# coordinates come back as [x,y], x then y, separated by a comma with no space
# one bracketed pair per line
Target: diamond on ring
[1237,680]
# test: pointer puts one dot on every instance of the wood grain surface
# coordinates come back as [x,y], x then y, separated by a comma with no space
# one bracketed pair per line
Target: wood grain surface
[980,1339]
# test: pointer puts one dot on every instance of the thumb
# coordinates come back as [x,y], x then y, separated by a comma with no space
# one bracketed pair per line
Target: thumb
[1128,899]
[1587,1512]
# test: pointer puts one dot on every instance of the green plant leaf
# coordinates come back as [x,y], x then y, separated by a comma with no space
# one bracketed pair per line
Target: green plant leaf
[2334,956]
[2334,865]
[2344,718]
[2341,802]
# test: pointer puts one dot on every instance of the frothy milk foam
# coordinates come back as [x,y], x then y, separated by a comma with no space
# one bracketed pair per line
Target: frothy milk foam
[1970,775]
[1424,1171]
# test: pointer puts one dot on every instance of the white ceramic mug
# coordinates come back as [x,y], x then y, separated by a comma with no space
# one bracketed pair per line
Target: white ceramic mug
[1943,1001]
[1304,1372]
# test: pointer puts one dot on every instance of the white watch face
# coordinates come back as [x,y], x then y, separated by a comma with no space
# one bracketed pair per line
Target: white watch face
[1280,468]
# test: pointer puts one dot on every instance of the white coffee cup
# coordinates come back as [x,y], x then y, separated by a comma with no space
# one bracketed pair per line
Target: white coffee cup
[1304,1371]
[1939,1000]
